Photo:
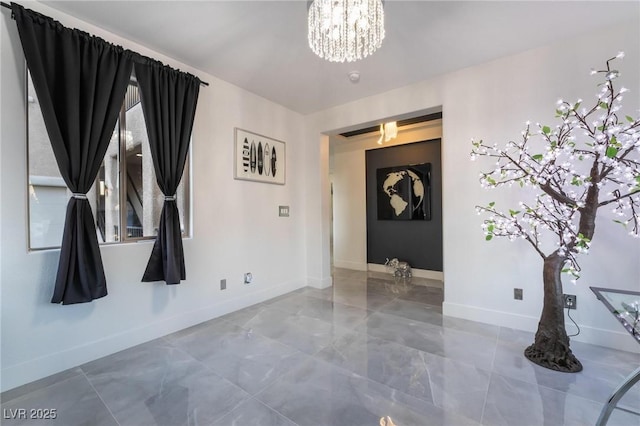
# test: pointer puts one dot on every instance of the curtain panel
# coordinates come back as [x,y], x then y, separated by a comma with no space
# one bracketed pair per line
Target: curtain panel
[80,81]
[169,99]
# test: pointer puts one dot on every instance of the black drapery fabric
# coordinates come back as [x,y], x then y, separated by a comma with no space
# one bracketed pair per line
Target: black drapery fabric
[169,99]
[80,81]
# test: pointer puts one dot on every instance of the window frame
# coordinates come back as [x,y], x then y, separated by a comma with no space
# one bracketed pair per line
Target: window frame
[123,238]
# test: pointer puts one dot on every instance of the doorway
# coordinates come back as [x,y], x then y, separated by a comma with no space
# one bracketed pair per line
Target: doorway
[348,199]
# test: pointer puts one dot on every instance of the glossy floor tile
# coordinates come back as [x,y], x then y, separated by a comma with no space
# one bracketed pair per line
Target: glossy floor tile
[371,346]
[426,337]
[246,359]
[253,413]
[70,402]
[510,402]
[160,384]
[316,393]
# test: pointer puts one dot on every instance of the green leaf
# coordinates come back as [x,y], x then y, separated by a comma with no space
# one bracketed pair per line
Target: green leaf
[488,237]
[538,157]
[582,238]
[612,151]
[604,105]
[629,119]
[576,181]
[613,141]
[491,204]
[521,183]
[546,130]
[490,228]
[621,223]
[513,212]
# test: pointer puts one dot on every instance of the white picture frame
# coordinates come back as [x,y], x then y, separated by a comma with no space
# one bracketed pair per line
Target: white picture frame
[259,158]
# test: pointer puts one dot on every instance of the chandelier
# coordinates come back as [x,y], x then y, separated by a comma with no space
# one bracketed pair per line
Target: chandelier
[345,30]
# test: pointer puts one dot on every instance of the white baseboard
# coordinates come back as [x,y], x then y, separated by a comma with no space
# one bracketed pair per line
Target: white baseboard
[607,338]
[596,336]
[419,273]
[39,368]
[320,283]
[347,264]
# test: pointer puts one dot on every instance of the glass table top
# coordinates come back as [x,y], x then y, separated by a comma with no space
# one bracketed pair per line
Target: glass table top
[624,305]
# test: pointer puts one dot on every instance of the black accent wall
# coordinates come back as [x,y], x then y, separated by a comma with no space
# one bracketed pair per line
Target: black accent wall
[418,242]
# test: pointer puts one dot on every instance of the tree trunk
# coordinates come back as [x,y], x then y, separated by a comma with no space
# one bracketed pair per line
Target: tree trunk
[551,347]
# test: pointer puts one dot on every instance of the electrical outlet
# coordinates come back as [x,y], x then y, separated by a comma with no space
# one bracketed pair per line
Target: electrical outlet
[517,293]
[570,301]
[248,278]
[223,284]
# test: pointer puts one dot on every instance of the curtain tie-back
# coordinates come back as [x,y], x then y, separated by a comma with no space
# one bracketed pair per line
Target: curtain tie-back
[169,197]
[79,196]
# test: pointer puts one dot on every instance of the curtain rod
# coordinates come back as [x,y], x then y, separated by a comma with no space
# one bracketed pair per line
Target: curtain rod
[8,6]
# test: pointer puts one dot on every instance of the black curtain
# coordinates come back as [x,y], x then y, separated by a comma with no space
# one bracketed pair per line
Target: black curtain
[80,81]
[169,99]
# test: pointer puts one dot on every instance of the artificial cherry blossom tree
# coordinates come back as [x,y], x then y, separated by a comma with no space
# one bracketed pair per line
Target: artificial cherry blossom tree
[589,160]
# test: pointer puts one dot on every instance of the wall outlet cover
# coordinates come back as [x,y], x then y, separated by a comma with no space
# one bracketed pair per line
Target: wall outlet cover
[517,293]
[570,301]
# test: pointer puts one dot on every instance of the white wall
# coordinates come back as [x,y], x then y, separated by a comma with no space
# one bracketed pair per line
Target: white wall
[349,190]
[492,101]
[317,210]
[236,229]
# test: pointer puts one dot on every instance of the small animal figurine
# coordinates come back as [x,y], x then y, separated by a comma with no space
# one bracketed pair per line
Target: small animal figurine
[400,269]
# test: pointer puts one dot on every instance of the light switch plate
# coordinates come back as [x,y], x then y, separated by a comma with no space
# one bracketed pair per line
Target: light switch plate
[283,211]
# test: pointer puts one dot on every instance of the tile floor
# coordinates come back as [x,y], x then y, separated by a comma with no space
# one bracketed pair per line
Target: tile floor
[347,355]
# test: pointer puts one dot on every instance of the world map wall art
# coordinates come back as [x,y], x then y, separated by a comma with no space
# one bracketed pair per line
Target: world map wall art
[404,192]
[259,158]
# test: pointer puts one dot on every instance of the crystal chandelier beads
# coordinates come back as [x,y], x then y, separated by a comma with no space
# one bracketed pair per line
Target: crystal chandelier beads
[345,30]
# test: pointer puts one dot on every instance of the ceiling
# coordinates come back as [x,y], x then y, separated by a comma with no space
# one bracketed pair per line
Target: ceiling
[262,47]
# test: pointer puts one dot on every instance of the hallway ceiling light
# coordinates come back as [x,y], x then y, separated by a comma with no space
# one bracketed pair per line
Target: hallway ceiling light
[388,131]
[345,30]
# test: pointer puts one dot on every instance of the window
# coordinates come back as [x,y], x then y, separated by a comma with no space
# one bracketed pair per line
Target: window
[123,212]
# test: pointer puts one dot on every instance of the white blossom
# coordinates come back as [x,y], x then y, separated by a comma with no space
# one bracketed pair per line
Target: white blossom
[558,161]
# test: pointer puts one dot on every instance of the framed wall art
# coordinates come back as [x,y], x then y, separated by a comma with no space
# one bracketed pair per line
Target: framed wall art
[259,158]
[404,192]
